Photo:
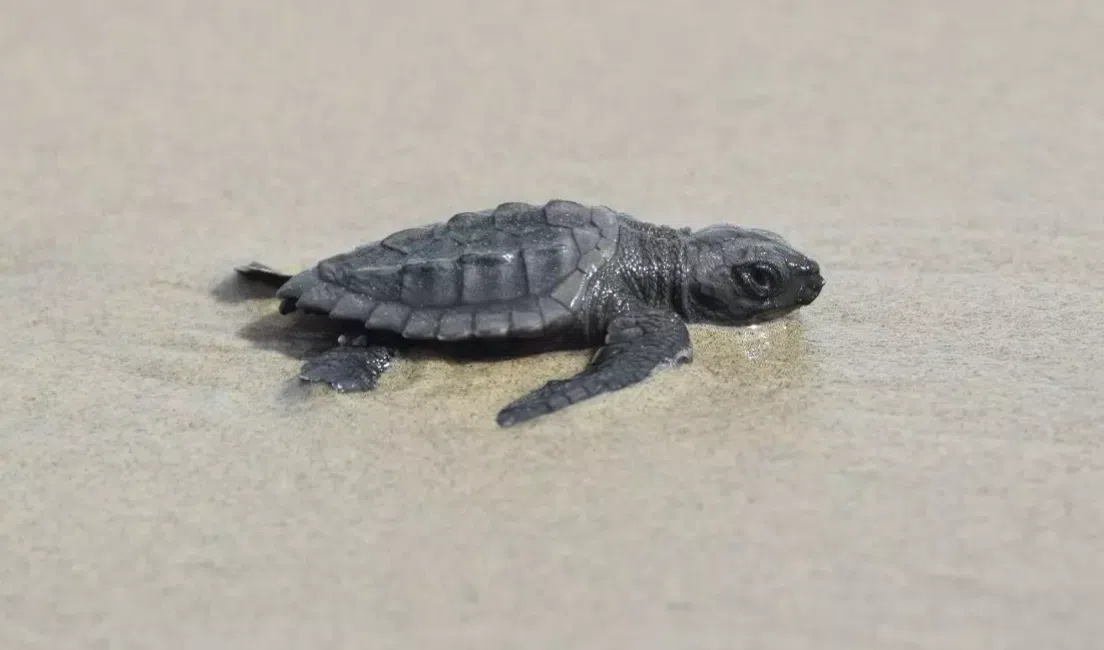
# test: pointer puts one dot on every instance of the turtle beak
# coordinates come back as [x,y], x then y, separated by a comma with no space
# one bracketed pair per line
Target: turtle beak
[812,287]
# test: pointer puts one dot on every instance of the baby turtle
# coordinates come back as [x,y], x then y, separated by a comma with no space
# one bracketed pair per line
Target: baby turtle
[563,274]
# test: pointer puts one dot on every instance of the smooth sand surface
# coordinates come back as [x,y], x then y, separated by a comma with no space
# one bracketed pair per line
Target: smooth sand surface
[914,461]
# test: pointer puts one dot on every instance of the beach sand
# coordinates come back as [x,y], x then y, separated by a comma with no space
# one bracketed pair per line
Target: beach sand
[913,461]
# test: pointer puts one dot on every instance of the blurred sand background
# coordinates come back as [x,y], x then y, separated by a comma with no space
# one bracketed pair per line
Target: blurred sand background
[915,461]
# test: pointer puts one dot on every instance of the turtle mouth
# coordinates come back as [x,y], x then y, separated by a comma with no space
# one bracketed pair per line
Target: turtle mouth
[771,314]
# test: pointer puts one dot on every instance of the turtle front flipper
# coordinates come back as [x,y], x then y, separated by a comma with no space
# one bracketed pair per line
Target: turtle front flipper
[637,345]
[350,367]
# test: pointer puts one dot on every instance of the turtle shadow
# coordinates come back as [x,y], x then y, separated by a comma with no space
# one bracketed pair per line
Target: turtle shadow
[235,289]
[295,336]
[302,336]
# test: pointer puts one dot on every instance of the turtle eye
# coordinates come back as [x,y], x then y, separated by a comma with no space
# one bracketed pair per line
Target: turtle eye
[759,279]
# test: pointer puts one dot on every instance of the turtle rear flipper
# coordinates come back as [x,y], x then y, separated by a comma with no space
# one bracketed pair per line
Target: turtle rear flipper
[637,344]
[263,273]
[349,368]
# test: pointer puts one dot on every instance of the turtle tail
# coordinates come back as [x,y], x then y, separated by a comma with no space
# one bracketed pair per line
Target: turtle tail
[264,274]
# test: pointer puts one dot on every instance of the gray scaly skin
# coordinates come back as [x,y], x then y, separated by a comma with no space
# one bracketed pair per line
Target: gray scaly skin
[561,273]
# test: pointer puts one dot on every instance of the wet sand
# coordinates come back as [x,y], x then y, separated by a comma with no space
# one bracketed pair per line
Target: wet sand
[913,461]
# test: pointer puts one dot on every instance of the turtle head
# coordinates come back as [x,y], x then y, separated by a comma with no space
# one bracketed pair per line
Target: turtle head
[740,276]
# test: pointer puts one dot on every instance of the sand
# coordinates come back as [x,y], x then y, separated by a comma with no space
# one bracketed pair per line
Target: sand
[914,461]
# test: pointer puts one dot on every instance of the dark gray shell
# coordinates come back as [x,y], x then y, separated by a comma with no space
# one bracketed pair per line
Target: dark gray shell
[518,270]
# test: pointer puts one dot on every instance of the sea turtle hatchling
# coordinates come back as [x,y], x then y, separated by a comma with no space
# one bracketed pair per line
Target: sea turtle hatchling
[562,273]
